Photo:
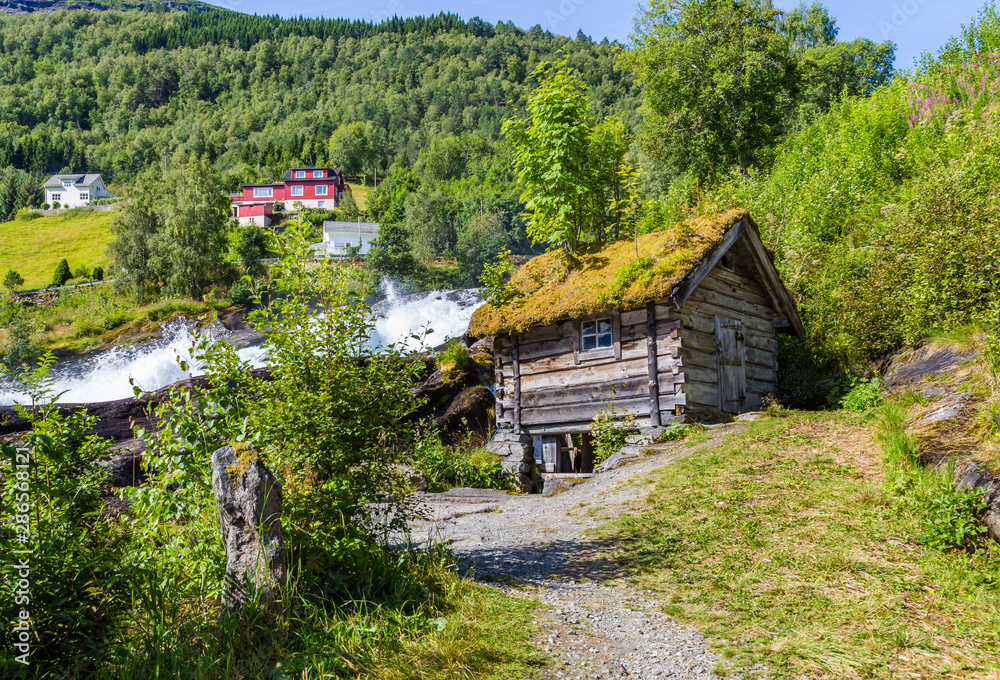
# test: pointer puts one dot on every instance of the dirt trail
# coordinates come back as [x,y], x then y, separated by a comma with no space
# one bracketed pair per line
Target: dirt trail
[595,626]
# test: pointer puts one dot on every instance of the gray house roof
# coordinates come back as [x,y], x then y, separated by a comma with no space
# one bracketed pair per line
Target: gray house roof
[330,226]
[82,180]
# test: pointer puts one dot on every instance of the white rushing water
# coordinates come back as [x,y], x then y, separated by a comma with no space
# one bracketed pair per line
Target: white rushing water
[104,375]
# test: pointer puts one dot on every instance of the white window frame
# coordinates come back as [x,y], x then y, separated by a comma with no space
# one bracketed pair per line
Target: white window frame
[590,330]
[67,184]
[298,191]
[318,174]
[320,204]
[321,190]
[342,245]
[263,192]
[300,174]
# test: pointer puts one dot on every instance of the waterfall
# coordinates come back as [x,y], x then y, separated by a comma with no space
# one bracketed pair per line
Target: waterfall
[104,375]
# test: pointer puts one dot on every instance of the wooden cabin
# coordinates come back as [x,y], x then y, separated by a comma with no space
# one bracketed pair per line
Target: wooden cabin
[673,325]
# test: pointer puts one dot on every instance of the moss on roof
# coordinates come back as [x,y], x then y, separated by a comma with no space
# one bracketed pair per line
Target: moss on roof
[554,286]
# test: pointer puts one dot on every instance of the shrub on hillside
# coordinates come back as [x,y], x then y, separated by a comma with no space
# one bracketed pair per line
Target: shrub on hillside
[97,274]
[12,280]
[62,274]
[81,272]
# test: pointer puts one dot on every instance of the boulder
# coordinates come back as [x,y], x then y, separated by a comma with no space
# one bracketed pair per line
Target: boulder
[248,500]
[469,410]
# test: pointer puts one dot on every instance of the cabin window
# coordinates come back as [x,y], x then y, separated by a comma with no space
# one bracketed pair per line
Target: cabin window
[726,262]
[596,334]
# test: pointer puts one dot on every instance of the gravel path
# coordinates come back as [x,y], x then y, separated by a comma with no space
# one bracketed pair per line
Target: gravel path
[595,625]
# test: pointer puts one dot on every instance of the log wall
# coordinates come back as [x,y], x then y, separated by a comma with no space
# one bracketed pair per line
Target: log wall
[561,388]
[732,292]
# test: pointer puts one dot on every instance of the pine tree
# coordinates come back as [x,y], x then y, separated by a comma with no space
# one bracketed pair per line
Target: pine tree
[62,274]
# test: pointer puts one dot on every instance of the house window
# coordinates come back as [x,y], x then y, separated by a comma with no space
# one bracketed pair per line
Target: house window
[67,184]
[84,196]
[317,173]
[341,245]
[263,192]
[296,191]
[300,173]
[321,191]
[596,334]
[56,197]
[320,204]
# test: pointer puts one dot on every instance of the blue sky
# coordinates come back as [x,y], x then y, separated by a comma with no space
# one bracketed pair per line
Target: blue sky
[914,25]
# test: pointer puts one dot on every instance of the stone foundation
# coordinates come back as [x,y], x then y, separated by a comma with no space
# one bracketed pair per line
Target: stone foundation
[519,457]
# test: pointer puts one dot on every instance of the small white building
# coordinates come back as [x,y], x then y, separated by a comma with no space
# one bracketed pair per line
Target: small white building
[75,191]
[339,236]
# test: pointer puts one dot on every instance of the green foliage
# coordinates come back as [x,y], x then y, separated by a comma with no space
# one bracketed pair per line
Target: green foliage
[79,577]
[455,358]
[97,274]
[250,248]
[484,236]
[567,162]
[391,253]
[712,74]
[12,280]
[609,430]
[496,281]
[62,274]
[953,519]
[863,395]
[134,227]
[446,467]
[81,272]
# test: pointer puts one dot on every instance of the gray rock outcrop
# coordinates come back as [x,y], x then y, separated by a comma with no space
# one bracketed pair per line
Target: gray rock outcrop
[519,457]
[248,500]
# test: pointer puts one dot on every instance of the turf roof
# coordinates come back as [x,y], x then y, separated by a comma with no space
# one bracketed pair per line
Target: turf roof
[552,287]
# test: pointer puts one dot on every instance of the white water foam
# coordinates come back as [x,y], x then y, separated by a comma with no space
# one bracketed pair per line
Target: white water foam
[105,375]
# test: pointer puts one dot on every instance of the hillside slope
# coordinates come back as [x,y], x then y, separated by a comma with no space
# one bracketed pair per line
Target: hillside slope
[34,247]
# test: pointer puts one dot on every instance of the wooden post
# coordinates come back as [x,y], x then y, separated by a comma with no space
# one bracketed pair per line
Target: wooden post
[654,383]
[517,384]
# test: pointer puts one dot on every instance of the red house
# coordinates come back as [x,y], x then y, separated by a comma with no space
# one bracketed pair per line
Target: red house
[312,187]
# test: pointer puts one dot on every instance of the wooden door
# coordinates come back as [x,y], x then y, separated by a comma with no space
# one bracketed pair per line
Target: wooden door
[731,355]
[550,454]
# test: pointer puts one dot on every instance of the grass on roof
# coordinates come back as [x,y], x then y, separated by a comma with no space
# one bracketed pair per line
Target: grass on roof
[34,247]
[554,286]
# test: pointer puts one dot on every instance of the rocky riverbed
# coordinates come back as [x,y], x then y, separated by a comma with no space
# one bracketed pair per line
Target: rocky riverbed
[592,623]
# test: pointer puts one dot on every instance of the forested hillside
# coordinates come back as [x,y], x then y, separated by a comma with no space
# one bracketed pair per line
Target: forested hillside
[111,91]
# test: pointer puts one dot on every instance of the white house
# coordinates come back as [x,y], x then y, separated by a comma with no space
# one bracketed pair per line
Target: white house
[339,236]
[74,191]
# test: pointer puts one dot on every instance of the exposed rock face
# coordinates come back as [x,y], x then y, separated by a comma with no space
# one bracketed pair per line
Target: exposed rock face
[970,475]
[248,499]
[469,410]
[519,457]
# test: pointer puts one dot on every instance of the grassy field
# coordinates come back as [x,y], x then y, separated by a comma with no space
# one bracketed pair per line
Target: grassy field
[34,247]
[795,544]
[360,193]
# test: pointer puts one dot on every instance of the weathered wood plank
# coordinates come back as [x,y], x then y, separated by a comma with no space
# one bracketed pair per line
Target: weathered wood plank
[517,388]
[735,306]
[629,388]
[637,317]
[616,334]
[542,334]
[585,375]
[705,343]
[588,411]
[737,287]
[762,373]
[653,379]
[706,394]
[690,283]
[696,313]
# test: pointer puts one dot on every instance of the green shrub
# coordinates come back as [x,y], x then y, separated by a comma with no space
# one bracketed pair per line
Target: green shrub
[495,278]
[241,294]
[446,467]
[25,215]
[609,430]
[953,519]
[19,344]
[81,272]
[81,574]
[12,280]
[863,395]
[98,274]
[455,357]
[62,274]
